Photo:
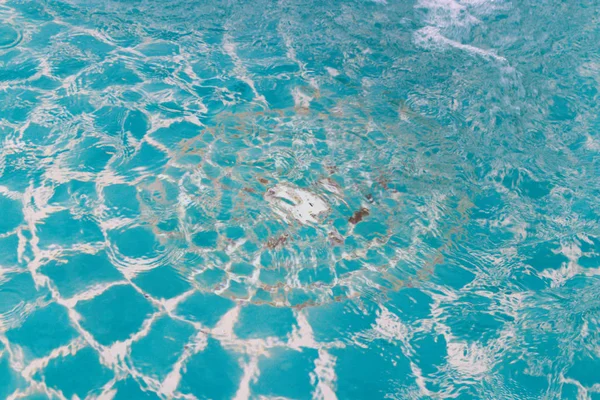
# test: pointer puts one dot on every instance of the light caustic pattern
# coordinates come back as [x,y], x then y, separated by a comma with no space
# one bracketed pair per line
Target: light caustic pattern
[342,199]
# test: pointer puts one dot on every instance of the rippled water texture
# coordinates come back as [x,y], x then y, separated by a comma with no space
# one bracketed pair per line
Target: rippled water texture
[334,199]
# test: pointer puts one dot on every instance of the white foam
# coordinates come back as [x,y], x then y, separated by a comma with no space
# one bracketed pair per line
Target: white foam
[332,71]
[299,204]
[301,99]
[389,326]
[468,359]
[446,13]
[430,37]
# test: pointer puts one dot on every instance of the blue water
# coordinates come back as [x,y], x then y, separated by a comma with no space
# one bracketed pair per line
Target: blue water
[330,199]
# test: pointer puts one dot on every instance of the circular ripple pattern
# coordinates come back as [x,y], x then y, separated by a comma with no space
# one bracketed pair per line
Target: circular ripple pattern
[358,199]
[9,36]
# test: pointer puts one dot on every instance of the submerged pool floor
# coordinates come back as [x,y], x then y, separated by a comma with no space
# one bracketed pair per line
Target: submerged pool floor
[285,199]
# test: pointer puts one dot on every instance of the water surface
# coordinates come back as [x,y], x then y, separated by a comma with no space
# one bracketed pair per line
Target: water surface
[260,200]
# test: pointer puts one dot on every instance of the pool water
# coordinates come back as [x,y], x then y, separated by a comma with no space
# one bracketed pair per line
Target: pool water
[267,200]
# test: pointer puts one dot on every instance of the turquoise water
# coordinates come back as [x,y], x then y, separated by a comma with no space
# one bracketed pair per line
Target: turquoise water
[267,200]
